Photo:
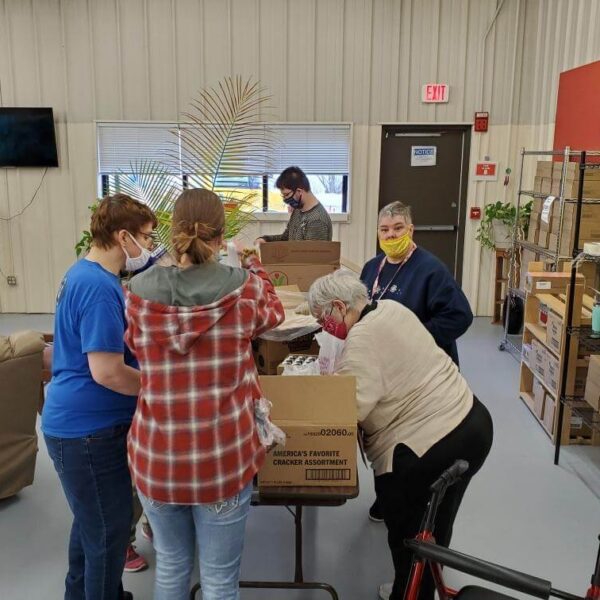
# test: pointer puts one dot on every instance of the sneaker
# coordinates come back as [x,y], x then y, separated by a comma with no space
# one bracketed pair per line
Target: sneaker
[375,513]
[147,531]
[385,590]
[133,561]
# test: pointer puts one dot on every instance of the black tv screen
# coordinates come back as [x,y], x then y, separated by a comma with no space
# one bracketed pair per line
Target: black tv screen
[27,138]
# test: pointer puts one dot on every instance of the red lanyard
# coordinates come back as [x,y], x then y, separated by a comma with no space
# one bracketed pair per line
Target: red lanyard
[381,265]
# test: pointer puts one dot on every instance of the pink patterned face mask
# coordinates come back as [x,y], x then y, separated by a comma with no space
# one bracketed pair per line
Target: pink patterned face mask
[335,328]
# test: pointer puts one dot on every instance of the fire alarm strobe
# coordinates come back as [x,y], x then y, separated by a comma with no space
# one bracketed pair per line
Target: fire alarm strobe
[481,121]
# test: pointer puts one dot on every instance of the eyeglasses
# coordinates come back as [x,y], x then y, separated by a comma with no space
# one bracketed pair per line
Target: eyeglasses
[150,238]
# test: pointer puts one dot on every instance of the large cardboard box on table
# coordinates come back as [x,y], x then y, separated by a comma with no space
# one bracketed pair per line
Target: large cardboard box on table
[318,415]
[299,263]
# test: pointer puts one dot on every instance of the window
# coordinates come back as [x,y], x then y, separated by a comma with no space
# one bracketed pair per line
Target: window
[322,151]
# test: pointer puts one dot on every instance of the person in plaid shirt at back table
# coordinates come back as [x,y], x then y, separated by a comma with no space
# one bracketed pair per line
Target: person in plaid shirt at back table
[194,446]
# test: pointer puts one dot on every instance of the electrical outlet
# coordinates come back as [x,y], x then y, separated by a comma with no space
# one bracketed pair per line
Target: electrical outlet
[11,280]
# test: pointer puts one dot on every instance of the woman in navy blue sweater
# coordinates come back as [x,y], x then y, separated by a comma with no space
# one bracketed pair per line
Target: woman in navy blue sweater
[418,280]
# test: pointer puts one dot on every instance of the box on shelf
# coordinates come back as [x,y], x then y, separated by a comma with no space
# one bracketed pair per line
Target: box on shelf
[538,392]
[268,354]
[299,263]
[527,257]
[546,186]
[549,412]
[526,354]
[550,283]
[580,419]
[318,416]
[552,375]
[534,228]
[592,385]
[554,326]
[536,205]
[539,364]
[544,168]
[591,181]
[580,380]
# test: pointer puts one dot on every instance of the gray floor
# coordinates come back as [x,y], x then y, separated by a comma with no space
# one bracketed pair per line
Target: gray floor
[521,510]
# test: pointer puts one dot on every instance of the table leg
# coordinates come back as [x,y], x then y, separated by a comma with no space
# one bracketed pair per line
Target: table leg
[298,575]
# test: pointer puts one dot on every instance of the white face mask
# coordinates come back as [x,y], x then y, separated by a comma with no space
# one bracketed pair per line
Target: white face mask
[139,262]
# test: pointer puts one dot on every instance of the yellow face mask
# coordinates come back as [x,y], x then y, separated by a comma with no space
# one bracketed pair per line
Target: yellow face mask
[398,247]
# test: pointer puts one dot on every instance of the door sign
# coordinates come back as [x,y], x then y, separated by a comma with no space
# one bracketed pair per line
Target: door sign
[423,156]
[486,171]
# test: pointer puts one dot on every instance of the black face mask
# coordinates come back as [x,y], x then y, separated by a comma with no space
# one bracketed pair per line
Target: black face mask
[291,201]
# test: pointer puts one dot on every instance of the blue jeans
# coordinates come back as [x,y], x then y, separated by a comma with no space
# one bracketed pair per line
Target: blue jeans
[219,531]
[94,475]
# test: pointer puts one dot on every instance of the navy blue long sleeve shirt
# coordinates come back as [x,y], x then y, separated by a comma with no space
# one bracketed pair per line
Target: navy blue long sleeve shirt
[425,286]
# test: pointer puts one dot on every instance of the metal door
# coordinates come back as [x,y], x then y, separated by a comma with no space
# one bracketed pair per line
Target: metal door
[426,167]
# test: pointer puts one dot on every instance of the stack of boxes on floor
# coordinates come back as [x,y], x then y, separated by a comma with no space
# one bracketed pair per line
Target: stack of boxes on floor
[317,413]
[544,336]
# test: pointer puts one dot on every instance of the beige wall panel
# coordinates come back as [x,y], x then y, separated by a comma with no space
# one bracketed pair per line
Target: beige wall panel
[358,16]
[245,38]
[133,43]
[189,48]
[329,64]
[385,61]
[216,38]
[161,63]
[301,42]
[273,55]
[79,66]
[103,34]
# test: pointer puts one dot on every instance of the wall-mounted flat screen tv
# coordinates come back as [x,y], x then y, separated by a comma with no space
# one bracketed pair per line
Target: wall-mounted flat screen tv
[27,138]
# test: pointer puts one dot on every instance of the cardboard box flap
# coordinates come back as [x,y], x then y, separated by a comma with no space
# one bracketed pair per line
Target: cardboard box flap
[323,398]
[300,253]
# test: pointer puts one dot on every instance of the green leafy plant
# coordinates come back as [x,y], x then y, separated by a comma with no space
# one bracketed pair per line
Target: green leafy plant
[84,244]
[505,213]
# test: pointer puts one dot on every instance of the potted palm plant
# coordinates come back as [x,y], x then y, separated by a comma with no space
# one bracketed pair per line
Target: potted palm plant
[224,137]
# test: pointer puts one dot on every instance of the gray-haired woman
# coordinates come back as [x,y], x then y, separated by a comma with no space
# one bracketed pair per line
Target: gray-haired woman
[416,411]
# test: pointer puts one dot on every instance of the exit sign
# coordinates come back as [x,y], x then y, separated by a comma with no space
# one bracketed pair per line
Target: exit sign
[435,92]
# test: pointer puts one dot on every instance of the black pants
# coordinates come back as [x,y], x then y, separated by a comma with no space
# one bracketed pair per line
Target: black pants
[404,493]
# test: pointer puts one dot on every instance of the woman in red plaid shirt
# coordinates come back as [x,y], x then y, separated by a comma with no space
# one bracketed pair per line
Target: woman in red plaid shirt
[194,444]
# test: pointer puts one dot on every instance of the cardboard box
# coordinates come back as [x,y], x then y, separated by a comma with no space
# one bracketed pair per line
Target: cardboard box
[546,186]
[299,263]
[579,422]
[549,411]
[581,374]
[544,168]
[537,184]
[318,415]
[526,354]
[552,378]
[554,327]
[268,355]
[592,385]
[550,283]
[538,392]
[527,256]
[534,227]
[539,362]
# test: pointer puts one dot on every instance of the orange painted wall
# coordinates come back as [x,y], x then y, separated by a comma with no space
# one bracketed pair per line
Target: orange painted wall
[578,109]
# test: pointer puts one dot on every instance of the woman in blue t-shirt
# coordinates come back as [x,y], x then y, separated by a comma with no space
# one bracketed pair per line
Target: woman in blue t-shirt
[92,396]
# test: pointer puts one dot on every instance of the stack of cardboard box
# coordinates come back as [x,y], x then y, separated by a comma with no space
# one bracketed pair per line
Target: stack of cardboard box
[592,386]
[544,222]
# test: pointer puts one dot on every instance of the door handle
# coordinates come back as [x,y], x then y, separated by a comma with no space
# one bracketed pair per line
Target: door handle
[436,227]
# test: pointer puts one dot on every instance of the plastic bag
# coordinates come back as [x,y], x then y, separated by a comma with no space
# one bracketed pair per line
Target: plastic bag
[330,351]
[232,258]
[268,432]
